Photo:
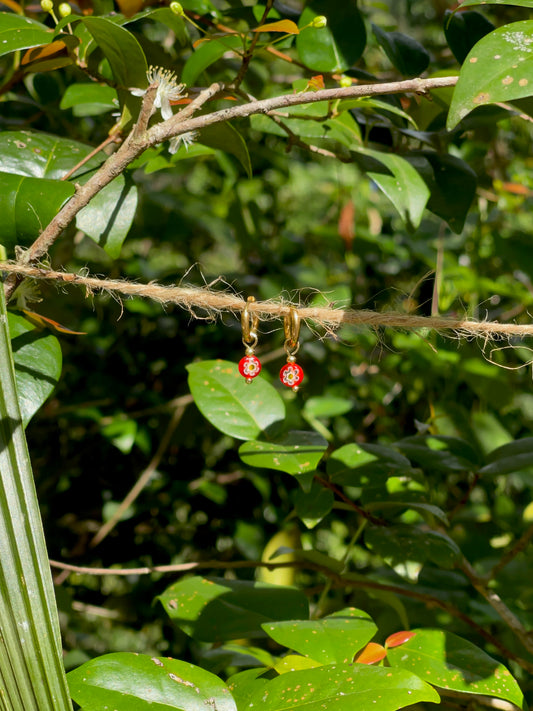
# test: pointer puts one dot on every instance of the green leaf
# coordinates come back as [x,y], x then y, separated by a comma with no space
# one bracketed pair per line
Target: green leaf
[235,407]
[327,406]
[336,638]
[405,53]
[27,205]
[499,68]
[463,30]
[37,356]
[452,184]
[32,675]
[135,682]
[207,54]
[344,687]
[246,684]
[89,99]
[450,662]
[226,138]
[445,454]
[511,457]
[17,32]
[399,544]
[339,45]
[403,185]
[313,505]
[122,51]
[296,452]
[108,217]
[358,464]
[214,609]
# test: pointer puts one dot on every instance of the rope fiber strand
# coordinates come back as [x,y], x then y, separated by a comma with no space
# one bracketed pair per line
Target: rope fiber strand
[214,302]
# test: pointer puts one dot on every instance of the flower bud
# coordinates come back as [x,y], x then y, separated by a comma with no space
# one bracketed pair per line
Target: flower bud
[177,8]
[319,22]
[64,9]
[47,5]
[345,81]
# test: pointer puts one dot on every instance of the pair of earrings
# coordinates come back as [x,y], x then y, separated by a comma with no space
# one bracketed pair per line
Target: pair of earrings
[291,374]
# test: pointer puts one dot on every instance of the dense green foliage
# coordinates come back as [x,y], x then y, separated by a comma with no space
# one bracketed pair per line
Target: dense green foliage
[392,493]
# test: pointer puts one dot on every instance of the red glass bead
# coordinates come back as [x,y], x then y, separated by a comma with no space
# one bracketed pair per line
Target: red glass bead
[291,375]
[249,367]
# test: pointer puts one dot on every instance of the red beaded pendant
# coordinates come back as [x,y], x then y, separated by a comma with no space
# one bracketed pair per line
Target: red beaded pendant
[249,367]
[291,375]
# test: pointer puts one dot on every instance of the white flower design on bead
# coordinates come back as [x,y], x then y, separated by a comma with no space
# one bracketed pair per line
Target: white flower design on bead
[249,367]
[167,89]
[291,375]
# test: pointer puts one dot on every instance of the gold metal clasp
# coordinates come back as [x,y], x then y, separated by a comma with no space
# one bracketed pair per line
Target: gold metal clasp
[249,323]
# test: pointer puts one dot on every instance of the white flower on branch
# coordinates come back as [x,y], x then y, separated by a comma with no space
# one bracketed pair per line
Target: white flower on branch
[186,140]
[167,89]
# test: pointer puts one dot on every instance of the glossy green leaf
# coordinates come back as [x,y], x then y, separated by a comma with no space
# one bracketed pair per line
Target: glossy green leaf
[108,217]
[207,54]
[27,205]
[246,684]
[169,19]
[89,99]
[336,638]
[313,505]
[398,544]
[41,155]
[122,51]
[327,406]
[37,356]
[339,45]
[294,662]
[511,457]
[136,682]
[225,137]
[358,464]
[405,53]
[17,32]
[452,184]
[450,662]
[499,68]
[214,609]
[296,452]
[463,30]
[235,407]
[202,7]
[402,185]
[344,687]
[437,453]
[32,675]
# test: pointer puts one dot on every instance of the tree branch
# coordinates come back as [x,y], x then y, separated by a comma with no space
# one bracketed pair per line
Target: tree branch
[182,123]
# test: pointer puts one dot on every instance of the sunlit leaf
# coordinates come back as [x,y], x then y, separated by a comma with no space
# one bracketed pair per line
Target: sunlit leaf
[17,32]
[499,68]
[287,26]
[371,654]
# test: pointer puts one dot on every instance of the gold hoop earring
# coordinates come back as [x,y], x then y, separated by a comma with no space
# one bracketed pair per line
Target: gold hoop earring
[291,374]
[249,366]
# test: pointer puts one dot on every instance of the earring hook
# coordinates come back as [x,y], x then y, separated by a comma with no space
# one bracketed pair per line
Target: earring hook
[291,325]
[249,323]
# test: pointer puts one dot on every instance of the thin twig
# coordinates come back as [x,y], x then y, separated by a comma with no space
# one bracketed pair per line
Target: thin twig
[143,480]
[249,53]
[113,138]
[519,546]
[341,495]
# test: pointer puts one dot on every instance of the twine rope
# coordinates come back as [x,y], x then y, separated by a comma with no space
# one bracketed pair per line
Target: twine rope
[212,303]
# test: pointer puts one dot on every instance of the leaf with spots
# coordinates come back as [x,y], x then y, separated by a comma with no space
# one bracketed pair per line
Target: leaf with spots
[499,68]
[296,452]
[216,610]
[18,32]
[235,407]
[450,662]
[336,638]
[344,687]
[135,682]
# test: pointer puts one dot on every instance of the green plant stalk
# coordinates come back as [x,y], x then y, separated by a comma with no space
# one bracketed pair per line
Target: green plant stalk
[32,675]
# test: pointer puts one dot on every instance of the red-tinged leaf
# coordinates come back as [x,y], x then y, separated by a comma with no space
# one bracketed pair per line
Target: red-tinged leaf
[287,26]
[515,188]
[394,640]
[316,83]
[346,225]
[44,322]
[188,100]
[371,654]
